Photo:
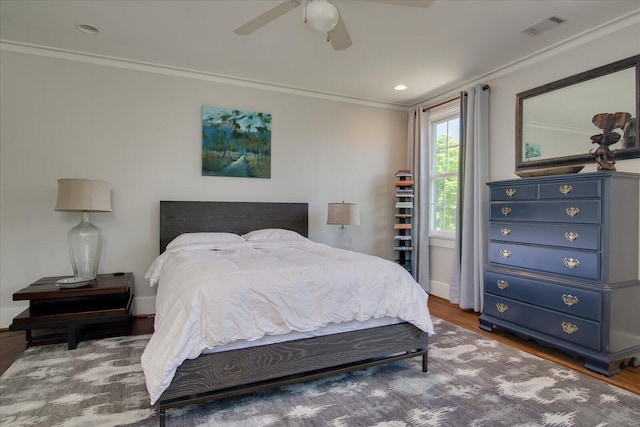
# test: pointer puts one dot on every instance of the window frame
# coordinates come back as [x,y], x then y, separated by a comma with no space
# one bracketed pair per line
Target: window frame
[437,115]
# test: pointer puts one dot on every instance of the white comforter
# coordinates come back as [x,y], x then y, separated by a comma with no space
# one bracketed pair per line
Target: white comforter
[210,295]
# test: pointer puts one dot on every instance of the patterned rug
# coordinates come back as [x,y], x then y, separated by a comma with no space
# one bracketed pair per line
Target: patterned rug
[472,381]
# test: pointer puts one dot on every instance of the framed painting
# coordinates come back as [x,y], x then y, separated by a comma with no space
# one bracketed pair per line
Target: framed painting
[236,143]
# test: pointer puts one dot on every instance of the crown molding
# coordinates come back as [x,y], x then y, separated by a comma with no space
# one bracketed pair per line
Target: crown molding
[69,55]
[632,18]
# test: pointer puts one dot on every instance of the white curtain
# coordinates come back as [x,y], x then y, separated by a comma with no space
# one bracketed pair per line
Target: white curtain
[418,162]
[473,202]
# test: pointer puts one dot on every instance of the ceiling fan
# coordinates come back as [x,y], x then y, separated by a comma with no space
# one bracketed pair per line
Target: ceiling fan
[319,15]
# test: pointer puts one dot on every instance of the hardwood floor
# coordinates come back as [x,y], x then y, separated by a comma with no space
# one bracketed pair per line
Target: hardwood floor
[628,378]
[12,344]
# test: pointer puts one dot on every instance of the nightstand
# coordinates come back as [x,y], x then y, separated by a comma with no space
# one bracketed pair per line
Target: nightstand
[101,308]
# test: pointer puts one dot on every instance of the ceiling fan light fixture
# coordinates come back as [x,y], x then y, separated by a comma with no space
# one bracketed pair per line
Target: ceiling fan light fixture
[320,15]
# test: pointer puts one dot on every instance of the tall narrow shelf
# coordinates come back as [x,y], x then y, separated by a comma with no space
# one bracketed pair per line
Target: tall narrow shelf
[403,223]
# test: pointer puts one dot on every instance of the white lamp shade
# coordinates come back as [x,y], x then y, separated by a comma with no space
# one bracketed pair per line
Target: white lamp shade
[343,214]
[321,15]
[83,195]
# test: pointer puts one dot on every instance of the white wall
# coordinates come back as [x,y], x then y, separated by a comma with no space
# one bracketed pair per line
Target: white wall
[141,131]
[583,54]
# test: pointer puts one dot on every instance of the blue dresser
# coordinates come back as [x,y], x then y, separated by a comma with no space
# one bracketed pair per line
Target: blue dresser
[563,265]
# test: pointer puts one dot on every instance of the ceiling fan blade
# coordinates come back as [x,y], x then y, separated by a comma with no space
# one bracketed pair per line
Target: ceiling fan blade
[409,3]
[266,17]
[339,36]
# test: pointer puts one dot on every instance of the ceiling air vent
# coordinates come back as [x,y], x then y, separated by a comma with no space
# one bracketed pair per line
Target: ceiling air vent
[542,26]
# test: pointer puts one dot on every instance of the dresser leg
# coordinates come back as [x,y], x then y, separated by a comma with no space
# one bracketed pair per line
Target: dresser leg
[485,325]
[602,366]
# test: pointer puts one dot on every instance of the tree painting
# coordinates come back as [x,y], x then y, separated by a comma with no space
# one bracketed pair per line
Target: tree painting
[532,150]
[236,143]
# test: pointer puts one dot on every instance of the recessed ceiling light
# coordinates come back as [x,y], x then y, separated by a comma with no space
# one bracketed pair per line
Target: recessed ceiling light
[400,87]
[89,29]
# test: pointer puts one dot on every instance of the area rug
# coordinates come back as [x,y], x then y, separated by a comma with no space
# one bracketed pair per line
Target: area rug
[472,381]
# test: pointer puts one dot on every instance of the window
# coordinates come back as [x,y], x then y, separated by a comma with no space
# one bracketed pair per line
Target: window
[444,149]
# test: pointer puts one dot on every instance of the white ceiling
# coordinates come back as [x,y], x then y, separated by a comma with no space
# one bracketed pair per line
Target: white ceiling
[431,50]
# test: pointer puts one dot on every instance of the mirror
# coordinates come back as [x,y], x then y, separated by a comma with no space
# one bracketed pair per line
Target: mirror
[554,121]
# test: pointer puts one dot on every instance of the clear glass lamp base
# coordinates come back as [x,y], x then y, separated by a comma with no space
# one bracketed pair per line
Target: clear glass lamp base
[343,240]
[85,246]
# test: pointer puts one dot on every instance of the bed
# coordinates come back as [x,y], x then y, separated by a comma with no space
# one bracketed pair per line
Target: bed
[264,364]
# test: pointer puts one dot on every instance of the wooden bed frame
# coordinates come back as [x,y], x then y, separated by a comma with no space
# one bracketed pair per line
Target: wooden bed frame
[236,372]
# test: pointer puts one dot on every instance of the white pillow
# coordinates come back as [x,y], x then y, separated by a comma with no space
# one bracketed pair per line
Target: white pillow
[194,238]
[273,235]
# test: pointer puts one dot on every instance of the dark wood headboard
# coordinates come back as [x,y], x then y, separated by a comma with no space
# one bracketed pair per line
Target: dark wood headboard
[233,217]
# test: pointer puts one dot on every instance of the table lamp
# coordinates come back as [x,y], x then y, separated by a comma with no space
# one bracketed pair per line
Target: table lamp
[343,214]
[85,239]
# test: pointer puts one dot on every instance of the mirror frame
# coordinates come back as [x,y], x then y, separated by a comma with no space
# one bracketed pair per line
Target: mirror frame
[626,153]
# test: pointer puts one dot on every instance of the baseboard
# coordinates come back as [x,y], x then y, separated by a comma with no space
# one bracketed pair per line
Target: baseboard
[8,313]
[439,289]
[144,305]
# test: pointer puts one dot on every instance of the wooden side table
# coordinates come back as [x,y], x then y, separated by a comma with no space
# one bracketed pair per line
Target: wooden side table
[101,308]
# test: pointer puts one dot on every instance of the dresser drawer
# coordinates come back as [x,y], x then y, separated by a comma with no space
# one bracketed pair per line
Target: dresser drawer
[570,190]
[577,302]
[565,235]
[572,212]
[569,263]
[559,325]
[515,192]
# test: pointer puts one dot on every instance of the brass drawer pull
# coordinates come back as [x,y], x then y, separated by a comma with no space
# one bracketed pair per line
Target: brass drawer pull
[506,210]
[571,236]
[502,307]
[570,300]
[569,328]
[505,231]
[572,211]
[510,192]
[502,284]
[566,189]
[571,263]
[506,253]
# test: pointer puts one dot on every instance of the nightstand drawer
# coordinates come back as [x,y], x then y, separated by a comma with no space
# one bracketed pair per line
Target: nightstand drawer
[569,263]
[573,301]
[570,190]
[570,211]
[563,235]
[563,326]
